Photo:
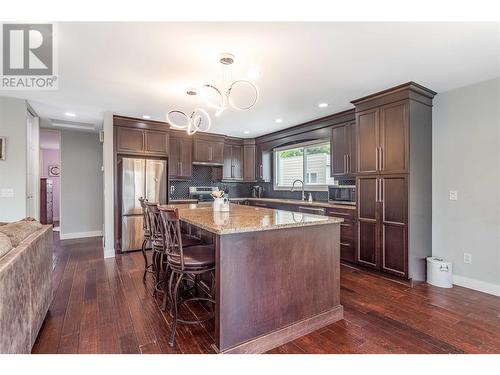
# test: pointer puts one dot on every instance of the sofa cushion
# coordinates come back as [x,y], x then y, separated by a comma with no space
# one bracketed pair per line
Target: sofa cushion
[19,230]
[5,245]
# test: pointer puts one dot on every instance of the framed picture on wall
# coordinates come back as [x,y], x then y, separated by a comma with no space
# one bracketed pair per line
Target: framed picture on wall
[54,171]
[3,148]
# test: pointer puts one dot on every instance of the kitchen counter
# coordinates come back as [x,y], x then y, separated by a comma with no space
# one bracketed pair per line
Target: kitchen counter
[277,273]
[297,202]
[242,219]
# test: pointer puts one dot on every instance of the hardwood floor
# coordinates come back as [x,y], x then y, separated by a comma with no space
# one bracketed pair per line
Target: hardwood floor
[103,306]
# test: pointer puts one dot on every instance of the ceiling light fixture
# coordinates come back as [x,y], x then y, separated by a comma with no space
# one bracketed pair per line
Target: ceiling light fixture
[278,121]
[246,132]
[146,117]
[323,105]
[218,99]
[70,114]
[253,74]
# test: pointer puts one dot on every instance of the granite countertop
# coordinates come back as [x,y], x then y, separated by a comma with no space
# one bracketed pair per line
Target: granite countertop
[241,218]
[297,202]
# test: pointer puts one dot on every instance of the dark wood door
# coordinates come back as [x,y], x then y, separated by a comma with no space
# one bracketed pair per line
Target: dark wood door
[217,152]
[339,150]
[129,140]
[201,151]
[351,153]
[227,168]
[394,220]
[249,163]
[238,162]
[174,158]
[156,142]
[185,158]
[367,134]
[394,127]
[180,158]
[264,162]
[367,223]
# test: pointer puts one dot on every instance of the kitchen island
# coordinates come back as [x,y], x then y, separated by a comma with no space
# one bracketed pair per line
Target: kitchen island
[277,274]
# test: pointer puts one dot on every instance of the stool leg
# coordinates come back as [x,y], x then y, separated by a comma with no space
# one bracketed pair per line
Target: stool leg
[144,243]
[175,307]
[166,290]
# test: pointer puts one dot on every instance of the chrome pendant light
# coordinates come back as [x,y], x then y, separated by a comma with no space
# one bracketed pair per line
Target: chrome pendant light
[199,120]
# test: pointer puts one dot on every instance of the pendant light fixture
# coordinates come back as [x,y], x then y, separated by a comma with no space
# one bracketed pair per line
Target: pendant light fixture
[218,99]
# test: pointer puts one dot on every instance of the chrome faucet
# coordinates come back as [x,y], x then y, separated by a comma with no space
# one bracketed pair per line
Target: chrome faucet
[303,193]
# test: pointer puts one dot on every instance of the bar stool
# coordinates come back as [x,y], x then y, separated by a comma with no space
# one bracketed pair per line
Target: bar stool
[158,235]
[146,227]
[192,261]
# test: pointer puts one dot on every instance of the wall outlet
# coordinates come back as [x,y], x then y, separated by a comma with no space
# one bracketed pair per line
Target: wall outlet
[453,195]
[172,189]
[467,258]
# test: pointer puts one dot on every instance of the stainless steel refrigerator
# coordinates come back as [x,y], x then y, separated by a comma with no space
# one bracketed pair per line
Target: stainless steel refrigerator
[140,178]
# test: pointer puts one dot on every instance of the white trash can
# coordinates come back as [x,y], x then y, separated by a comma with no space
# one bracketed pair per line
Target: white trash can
[439,272]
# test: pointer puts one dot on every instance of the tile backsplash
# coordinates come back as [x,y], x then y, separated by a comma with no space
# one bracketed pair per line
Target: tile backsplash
[202,176]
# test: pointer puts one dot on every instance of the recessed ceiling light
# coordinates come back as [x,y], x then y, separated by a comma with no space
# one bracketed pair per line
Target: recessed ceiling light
[246,132]
[323,105]
[278,121]
[253,73]
[70,114]
[146,117]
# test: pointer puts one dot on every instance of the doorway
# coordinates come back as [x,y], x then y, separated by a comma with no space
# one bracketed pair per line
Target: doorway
[50,177]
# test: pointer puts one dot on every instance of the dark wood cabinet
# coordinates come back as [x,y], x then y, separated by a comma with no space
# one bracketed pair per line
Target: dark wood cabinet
[347,232]
[383,222]
[46,201]
[129,140]
[343,149]
[156,142]
[206,151]
[141,141]
[367,140]
[263,164]
[382,139]
[233,162]
[180,158]
[249,163]
[394,126]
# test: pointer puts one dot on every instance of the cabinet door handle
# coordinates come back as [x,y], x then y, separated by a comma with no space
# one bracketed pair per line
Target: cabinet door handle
[381,159]
[348,157]
[180,168]
[232,171]
[261,172]
[376,159]
[376,190]
[382,188]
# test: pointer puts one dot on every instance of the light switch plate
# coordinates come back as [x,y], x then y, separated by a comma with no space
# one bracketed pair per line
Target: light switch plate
[7,193]
[453,195]
[467,258]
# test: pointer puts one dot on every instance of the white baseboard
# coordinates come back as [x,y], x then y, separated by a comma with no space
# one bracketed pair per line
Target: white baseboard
[109,252]
[69,236]
[479,285]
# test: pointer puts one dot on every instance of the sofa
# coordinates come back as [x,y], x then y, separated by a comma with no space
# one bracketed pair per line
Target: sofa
[25,283]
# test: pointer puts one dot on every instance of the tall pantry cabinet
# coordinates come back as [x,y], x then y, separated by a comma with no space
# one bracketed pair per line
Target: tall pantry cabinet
[394,180]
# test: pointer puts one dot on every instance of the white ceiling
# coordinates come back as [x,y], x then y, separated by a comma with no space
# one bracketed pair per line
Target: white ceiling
[144,68]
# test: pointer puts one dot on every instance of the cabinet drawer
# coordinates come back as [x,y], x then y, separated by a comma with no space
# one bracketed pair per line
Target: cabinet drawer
[347,232]
[346,214]
[347,252]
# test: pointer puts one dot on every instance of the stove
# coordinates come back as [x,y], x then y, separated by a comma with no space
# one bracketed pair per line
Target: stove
[202,193]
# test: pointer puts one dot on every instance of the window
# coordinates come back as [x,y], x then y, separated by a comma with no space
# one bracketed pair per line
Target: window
[309,162]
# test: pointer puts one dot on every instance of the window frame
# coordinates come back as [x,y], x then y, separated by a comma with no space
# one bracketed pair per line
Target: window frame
[307,187]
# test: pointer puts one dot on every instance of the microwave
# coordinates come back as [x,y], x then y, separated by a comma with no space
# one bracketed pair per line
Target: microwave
[342,194]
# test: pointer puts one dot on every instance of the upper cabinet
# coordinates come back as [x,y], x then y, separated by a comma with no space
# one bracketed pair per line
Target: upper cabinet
[343,149]
[263,164]
[208,151]
[141,141]
[180,161]
[382,138]
[249,162]
[233,161]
